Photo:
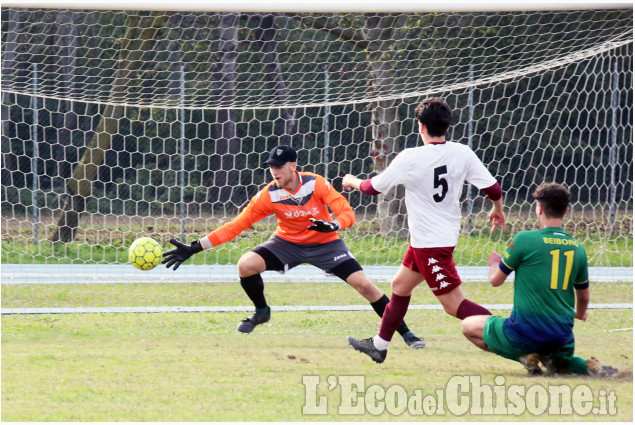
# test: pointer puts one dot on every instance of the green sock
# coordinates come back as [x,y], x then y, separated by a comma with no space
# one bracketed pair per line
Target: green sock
[577,365]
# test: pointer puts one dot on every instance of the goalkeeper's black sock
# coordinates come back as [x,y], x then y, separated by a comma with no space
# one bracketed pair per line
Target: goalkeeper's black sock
[380,305]
[255,289]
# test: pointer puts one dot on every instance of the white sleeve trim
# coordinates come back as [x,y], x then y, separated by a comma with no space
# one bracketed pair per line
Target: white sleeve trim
[205,243]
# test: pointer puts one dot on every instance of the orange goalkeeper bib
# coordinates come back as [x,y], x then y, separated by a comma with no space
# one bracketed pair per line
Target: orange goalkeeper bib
[293,211]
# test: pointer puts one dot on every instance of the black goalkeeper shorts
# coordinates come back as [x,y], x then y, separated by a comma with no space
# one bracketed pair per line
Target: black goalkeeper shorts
[332,257]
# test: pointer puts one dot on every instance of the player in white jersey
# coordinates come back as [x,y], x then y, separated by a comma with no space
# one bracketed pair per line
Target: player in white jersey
[433,176]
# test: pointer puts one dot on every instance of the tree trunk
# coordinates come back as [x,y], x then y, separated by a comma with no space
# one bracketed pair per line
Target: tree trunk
[391,209]
[66,118]
[140,33]
[266,33]
[8,158]
[79,186]
[224,187]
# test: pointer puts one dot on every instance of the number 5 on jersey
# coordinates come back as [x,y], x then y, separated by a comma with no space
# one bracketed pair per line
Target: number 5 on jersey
[440,181]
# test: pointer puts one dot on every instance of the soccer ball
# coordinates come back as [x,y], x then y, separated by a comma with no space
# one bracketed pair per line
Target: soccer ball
[145,253]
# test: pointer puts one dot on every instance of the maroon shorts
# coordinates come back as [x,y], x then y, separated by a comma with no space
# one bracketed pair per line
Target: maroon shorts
[436,265]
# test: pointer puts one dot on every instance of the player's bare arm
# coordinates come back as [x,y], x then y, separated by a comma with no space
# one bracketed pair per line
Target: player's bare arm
[496,215]
[582,297]
[496,275]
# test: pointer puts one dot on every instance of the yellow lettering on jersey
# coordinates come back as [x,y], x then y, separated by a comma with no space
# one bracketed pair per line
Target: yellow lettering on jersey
[557,241]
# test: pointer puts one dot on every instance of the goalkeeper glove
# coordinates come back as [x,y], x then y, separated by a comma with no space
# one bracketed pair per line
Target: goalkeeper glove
[182,252]
[324,226]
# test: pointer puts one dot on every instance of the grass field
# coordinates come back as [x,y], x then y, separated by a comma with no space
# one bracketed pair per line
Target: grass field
[196,367]
[230,294]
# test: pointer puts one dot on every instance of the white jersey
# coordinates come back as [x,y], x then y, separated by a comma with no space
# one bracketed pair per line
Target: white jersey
[433,176]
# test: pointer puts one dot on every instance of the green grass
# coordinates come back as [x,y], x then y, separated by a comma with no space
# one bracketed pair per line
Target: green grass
[231,294]
[196,367]
[370,250]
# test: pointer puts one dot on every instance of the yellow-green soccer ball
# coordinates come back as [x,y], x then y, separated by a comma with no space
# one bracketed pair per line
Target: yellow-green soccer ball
[145,253]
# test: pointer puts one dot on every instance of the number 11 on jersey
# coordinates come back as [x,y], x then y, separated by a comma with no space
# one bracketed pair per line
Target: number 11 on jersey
[555,264]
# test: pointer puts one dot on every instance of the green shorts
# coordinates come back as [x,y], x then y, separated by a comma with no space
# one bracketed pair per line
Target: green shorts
[498,343]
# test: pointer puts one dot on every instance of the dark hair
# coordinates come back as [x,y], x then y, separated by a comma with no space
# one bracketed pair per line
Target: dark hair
[435,114]
[554,199]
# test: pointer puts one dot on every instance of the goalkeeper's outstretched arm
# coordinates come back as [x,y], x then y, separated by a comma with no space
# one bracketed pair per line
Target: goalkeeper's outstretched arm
[251,214]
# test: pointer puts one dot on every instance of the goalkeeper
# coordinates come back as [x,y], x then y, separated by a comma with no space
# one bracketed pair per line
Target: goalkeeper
[306,233]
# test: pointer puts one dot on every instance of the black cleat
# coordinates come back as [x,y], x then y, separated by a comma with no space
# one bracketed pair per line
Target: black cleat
[248,324]
[600,370]
[548,363]
[531,363]
[367,347]
[413,341]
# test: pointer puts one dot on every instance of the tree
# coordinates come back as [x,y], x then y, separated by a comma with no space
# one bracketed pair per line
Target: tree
[266,34]
[377,31]
[65,121]
[224,177]
[8,62]
[140,33]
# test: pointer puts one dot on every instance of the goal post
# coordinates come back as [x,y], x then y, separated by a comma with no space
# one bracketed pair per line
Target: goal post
[121,123]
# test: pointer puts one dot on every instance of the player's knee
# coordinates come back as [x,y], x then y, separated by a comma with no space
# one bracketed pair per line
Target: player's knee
[399,288]
[250,264]
[470,327]
[362,285]
[466,327]
[473,326]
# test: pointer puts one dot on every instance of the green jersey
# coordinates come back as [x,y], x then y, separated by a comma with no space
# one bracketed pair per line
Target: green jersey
[549,264]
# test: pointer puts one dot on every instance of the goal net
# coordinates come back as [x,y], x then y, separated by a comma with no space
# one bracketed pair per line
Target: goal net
[122,124]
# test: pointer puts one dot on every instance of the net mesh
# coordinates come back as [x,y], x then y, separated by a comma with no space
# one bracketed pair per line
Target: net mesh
[118,125]
[233,60]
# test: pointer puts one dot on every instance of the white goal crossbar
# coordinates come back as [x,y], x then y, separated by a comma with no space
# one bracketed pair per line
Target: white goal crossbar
[336,6]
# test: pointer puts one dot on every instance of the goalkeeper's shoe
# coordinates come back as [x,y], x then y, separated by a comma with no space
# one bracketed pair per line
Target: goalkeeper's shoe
[248,324]
[367,347]
[413,341]
[598,369]
[531,363]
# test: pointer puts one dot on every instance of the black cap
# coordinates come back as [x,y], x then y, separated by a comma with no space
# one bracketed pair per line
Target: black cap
[280,155]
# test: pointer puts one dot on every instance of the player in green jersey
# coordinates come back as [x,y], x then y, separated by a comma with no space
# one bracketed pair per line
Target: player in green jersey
[551,289]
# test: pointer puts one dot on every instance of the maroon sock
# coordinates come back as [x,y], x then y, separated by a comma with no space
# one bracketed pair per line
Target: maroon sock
[393,316]
[467,308]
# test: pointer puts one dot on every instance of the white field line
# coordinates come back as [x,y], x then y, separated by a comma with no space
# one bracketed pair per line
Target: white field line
[224,309]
